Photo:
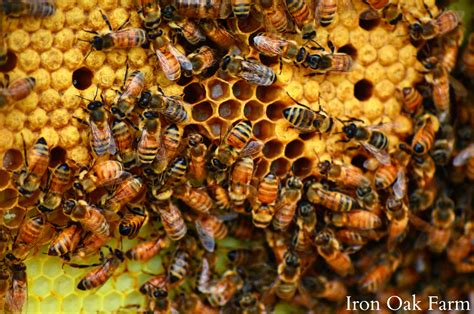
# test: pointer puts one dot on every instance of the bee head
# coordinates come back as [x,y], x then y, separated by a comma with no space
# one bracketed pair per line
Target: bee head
[313,61]
[350,130]
[117,112]
[415,30]
[125,229]
[292,259]
[324,167]
[225,62]
[97,42]
[119,254]
[68,206]
[144,99]
[94,105]
[168,12]
[306,208]
[217,164]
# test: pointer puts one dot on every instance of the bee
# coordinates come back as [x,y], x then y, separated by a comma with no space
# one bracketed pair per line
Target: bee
[251,71]
[444,23]
[423,170]
[124,140]
[448,55]
[321,287]
[385,176]
[150,14]
[120,38]
[233,145]
[104,173]
[197,151]
[329,248]
[328,62]
[273,46]
[262,214]
[172,108]
[397,214]
[33,8]
[303,17]
[196,198]
[250,304]
[461,247]
[443,146]
[149,142]
[440,81]
[220,196]
[192,303]
[179,267]
[333,200]
[411,99]
[267,194]
[218,34]
[170,143]
[37,161]
[274,16]
[203,60]
[247,257]
[343,174]
[16,90]
[286,206]
[5,241]
[356,238]
[17,294]
[468,57]
[172,220]
[156,287]
[132,222]
[422,141]
[307,120]
[58,184]
[373,141]
[175,174]
[306,220]
[422,198]
[125,103]
[289,275]
[144,251]
[90,245]
[90,217]
[222,290]
[385,9]
[326,11]
[29,233]
[4,284]
[170,59]
[66,241]
[378,276]
[357,219]
[443,219]
[242,173]
[200,9]
[106,269]
[210,228]
[466,157]
[188,29]
[126,191]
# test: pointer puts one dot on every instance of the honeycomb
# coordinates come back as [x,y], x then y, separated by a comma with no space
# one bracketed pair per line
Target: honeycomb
[49,50]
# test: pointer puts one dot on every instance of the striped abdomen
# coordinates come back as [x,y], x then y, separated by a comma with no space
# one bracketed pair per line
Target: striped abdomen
[128,38]
[95,222]
[176,172]
[21,88]
[336,201]
[173,222]
[301,118]
[148,147]
[60,179]
[327,10]
[411,98]
[378,140]
[208,9]
[174,110]
[299,10]
[124,193]
[341,62]
[268,189]
[239,135]
[39,8]
[384,176]
[66,241]
[38,159]
[99,276]
[241,8]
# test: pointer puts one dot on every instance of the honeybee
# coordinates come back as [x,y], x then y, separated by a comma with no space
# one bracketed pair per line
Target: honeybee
[343,174]
[241,176]
[120,38]
[307,120]
[104,173]
[170,59]
[411,99]
[439,78]
[247,257]
[58,184]
[156,287]
[172,220]
[379,275]
[373,141]
[126,191]
[461,247]
[174,175]
[220,196]
[328,62]
[426,128]
[273,46]
[188,29]
[325,12]
[29,233]
[422,198]
[90,245]
[468,57]
[179,267]
[397,214]
[222,290]
[196,198]
[17,294]
[289,275]
[329,248]
[335,201]
[443,146]
[443,218]
[37,161]
[251,71]
[210,228]
[357,219]
[218,34]
[321,287]
[385,176]
[4,284]
[200,9]
[385,9]
[251,304]
[303,17]
[356,238]
[306,222]
[434,27]
[466,157]
[66,241]
[149,142]
[90,217]
[16,90]
[267,194]
[144,251]
[172,108]
[100,275]
[34,8]
[150,14]
[132,222]
[203,60]
[170,143]
[133,86]
[286,206]
[197,151]
[124,140]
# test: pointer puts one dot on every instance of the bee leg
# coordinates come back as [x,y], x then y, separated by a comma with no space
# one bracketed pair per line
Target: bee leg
[125,23]
[24,150]
[106,20]
[81,120]
[428,10]
[353,147]
[331,46]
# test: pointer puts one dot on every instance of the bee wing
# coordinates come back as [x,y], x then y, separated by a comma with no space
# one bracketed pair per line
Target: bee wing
[17,297]
[97,137]
[170,73]
[400,185]
[463,156]
[251,72]
[204,277]
[252,149]
[263,42]
[182,59]
[382,156]
[207,239]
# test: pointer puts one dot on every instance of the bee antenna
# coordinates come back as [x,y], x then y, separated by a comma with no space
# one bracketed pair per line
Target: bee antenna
[87,55]
[294,100]
[82,97]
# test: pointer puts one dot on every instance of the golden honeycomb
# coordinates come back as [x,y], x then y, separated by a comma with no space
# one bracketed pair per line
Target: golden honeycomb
[48,49]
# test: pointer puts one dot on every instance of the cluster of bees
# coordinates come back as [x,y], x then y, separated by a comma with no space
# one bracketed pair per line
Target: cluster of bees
[385,216]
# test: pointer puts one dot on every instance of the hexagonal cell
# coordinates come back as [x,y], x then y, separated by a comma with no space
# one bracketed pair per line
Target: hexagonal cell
[82,78]
[241,90]
[64,285]
[8,198]
[11,62]
[216,126]
[202,111]
[218,89]
[12,160]
[184,80]
[91,302]
[134,298]
[369,19]
[263,130]
[33,305]
[280,167]
[272,149]
[294,149]
[358,161]
[13,217]
[41,286]
[71,303]
[302,167]
[262,168]
[230,109]
[4,179]
[269,61]
[114,301]
[194,93]
[253,110]
[350,50]
[275,110]
[58,155]
[51,268]
[363,90]
[267,94]
[125,282]
[248,25]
